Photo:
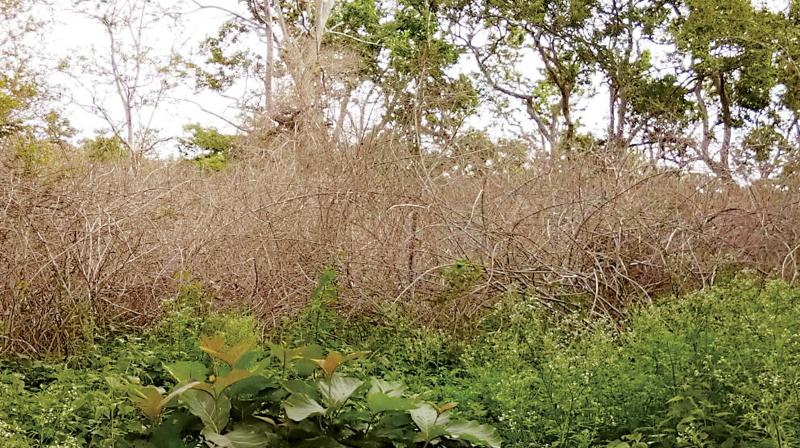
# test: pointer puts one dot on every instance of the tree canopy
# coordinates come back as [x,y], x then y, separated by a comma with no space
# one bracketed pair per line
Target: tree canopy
[687,83]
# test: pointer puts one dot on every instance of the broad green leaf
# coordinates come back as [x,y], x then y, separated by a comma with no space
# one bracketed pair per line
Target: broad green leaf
[392,389]
[149,400]
[301,387]
[388,396]
[320,442]
[179,391]
[213,345]
[337,389]
[250,386]
[214,412]
[382,402]
[300,358]
[168,433]
[299,407]
[232,377]
[618,444]
[475,433]
[429,422]
[254,435]
[186,371]
[305,367]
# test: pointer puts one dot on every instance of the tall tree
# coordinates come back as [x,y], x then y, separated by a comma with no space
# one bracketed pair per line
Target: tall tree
[19,85]
[733,49]
[405,58]
[503,34]
[129,66]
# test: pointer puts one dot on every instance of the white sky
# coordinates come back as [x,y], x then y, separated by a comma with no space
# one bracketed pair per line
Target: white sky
[73,34]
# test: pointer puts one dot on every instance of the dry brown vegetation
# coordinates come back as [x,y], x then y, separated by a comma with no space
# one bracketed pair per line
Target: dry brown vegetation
[105,245]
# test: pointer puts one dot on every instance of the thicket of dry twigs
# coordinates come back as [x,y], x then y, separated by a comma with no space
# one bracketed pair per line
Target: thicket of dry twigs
[103,245]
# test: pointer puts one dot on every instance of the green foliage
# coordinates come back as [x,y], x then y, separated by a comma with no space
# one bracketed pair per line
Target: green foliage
[17,93]
[317,322]
[105,149]
[244,399]
[208,149]
[32,156]
[69,403]
[716,368]
[459,278]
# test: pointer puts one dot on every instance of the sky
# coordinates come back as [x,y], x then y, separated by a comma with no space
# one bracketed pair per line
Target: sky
[73,34]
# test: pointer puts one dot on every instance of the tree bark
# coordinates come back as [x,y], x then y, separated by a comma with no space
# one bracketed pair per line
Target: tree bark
[269,107]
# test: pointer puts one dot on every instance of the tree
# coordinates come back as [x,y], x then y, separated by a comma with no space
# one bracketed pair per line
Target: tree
[735,49]
[127,67]
[343,61]
[715,100]
[499,34]
[291,33]
[19,86]
[405,57]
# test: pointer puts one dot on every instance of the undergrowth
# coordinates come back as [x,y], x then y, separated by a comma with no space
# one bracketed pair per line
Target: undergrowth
[716,368]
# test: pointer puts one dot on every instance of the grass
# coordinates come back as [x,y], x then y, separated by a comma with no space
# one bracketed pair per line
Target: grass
[716,368]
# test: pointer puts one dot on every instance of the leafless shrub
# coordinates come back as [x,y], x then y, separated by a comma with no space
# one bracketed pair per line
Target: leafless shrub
[102,245]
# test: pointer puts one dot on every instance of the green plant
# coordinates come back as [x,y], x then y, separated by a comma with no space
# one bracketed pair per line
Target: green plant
[105,149]
[207,148]
[459,278]
[32,155]
[245,399]
[318,320]
[715,368]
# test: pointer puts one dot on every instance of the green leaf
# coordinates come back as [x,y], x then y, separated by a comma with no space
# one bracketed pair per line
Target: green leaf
[213,345]
[300,358]
[388,396]
[179,391]
[618,444]
[299,407]
[254,435]
[149,400]
[213,411]
[186,371]
[475,433]
[392,389]
[168,433]
[381,402]
[320,442]
[429,422]
[250,386]
[229,379]
[337,389]
[301,387]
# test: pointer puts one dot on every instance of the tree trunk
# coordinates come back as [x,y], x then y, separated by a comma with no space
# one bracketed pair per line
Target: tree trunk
[269,107]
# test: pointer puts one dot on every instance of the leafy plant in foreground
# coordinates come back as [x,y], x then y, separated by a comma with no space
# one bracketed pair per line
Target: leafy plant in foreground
[292,397]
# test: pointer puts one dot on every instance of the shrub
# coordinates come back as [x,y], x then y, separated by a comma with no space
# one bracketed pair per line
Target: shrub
[207,148]
[105,149]
[717,368]
[243,401]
